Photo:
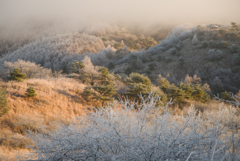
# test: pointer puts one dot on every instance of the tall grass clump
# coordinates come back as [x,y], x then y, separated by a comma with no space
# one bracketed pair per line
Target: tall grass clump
[133,131]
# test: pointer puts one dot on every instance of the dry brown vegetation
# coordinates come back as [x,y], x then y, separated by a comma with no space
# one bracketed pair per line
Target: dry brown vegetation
[57,101]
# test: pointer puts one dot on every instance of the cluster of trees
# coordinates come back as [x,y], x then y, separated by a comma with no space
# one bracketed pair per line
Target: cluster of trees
[191,89]
[59,51]
[101,85]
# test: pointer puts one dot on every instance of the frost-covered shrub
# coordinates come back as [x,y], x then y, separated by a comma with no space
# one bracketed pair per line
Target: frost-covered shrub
[30,69]
[179,33]
[52,52]
[195,40]
[142,132]
[179,45]
[215,55]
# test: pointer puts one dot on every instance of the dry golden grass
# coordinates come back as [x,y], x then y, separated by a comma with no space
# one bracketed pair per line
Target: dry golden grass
[57,101]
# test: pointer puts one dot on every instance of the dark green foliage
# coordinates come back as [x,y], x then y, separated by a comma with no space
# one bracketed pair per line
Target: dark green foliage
[65,68]
[88,93]
[236,59]
[117,45]
[200,95]
[232,35]
[181,62]
[234,25]
[175,93]
[152,66]
[217,86]
[105,91]
[148,72]
[188,88]
[234,48]
[78,66]
[31,92]
[222,44]
[222,32]
[104,39]
[159,58]
[183,91]
[105,77]
[226,96]
[204,44]
[174,51]
[128,71]
[212,44]
[135,89]
[138,78]
[16,75]
[140,84]
[226,36]
[111,66]
[235,69]
[3,102]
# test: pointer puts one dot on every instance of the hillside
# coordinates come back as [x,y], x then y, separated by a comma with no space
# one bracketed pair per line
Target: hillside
[106,79]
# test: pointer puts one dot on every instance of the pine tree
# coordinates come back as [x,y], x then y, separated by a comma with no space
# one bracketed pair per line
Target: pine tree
[31,92]
[105,91]
[3,102]
[16,75]
[188,89]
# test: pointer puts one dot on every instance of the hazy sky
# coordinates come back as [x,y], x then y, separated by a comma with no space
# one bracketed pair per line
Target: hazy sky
[128,11]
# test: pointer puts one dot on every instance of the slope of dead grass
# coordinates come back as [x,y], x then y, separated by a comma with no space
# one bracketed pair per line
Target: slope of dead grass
[57,101]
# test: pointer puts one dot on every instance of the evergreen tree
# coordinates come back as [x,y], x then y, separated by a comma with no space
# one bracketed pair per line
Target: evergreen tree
[3,102]
[105,91]
[188,89]
[16,75]
[88,93]
[176,93]
[31,92]
[138,78]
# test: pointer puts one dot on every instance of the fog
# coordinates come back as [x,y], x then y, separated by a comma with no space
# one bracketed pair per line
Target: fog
[73,14]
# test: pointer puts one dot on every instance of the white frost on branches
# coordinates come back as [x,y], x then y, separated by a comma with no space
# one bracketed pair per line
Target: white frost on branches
[53,52]
[142,132]
[195,40]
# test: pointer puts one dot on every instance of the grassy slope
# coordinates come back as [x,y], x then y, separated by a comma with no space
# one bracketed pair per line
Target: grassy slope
[57,101]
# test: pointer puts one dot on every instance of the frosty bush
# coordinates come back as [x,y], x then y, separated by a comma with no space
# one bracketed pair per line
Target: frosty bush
[144,133]
[214,55]
[30,69]
[195,40]
[53,52]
